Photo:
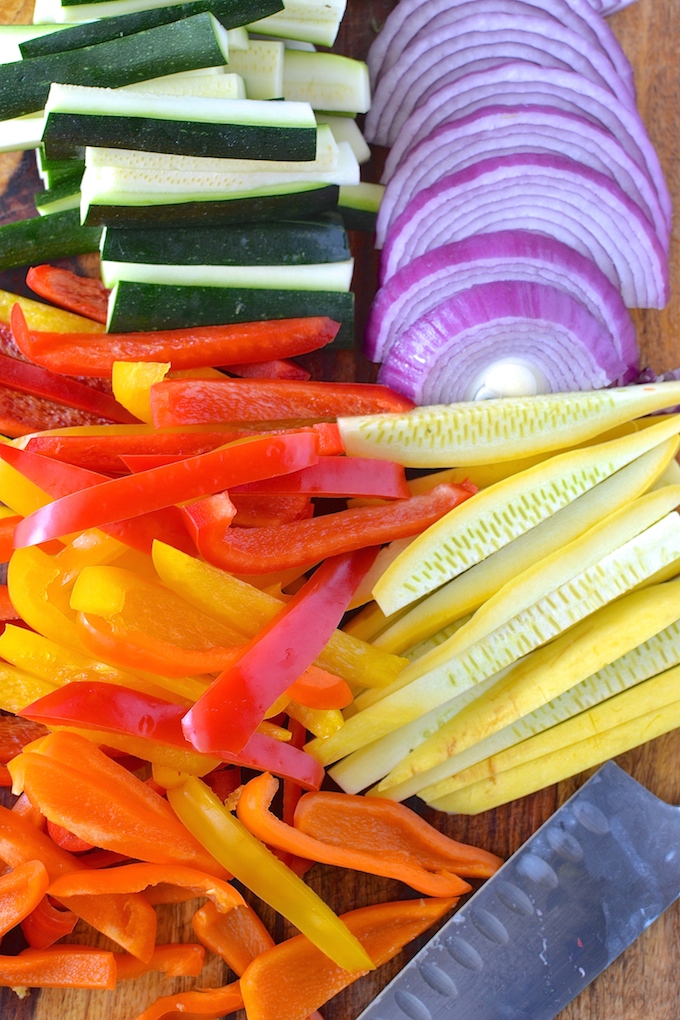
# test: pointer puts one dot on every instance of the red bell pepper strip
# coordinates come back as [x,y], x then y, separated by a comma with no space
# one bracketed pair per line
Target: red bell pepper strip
[15,733]
[117,499]
[264,550]
[230,711]
[93,354]
[23,413]
[7,610]
[114,709]
[7,525]
[197,401]
[48,923]
[260,510]
[279,369]
[59,479]
[339,476]
[83,295]
[41,382]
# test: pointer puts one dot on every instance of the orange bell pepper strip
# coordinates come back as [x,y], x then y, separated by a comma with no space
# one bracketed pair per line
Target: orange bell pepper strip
[231,710]
[21,890]
[253,809]
[176,959]
[237,937]
[130,878]
[375,825]
[48,923]
[83,295]
[129,921]
[75,784]
[293,979]
[117,499]
[59,967]
[201,401]
[67,840]
[199,347]
[262,550]
[201,1004]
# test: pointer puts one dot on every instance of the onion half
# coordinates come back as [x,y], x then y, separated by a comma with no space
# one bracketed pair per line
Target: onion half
[500,339]
[512,255]
[500,131]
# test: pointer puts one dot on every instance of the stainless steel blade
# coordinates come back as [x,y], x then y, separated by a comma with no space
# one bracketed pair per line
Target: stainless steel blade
[559,911]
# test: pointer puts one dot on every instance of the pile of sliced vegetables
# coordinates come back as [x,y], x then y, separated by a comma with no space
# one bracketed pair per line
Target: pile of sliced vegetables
[523,196]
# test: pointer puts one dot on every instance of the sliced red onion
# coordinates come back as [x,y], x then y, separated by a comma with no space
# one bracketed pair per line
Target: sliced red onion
[410,17]
[439,57]
[507,338]
[548,194]
[499,130]
[520,84]
[511,255]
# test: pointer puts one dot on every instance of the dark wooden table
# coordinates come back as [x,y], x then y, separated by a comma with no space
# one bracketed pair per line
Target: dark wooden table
[644,981]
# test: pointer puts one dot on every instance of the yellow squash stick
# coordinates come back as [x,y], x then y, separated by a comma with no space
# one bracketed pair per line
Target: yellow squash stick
[619,724]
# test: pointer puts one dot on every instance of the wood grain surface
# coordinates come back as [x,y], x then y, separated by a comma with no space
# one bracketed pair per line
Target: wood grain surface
[644,981]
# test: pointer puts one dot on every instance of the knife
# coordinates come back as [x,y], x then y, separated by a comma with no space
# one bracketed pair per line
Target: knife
[561,909]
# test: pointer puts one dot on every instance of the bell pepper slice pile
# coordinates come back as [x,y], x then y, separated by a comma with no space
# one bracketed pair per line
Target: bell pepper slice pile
[178,586]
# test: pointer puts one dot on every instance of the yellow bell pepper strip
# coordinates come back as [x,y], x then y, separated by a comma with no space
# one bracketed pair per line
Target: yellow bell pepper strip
[201,1004]
[261,550]
[137,877]
[129,920]
[199,347]
[130,496]
[361,823]
[253,809]
[63,480]
[77,785]
[21,890]
[237,937]
[228,714]
[293,979]
[48,923]
[39,592]
[59,967]
[55,664]
[115,710]
[245,607]
[40,316]
[19,689]
[259,870]
[176,959]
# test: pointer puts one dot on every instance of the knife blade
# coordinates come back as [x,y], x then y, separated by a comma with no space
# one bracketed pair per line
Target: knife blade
[554,916]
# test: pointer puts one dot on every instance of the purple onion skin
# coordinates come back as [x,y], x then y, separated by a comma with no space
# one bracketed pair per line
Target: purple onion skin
[484,258]
[438,359]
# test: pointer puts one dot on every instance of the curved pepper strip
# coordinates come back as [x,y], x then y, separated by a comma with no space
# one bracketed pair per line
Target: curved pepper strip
[21,890]
[157,724]
[117,499]
[201,1004]
[259,870]
[67,840]
[231,710]
[176,959]
[375,825]
[84,295]
[130,878]
[199,347]
[75,784]
[293,979]
[253,809]
[59,967]
[237,937]
[128,920]
[261,550]
[47,924]
[240,604]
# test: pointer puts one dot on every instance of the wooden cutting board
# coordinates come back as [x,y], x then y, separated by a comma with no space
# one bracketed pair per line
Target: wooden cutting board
[642,983]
